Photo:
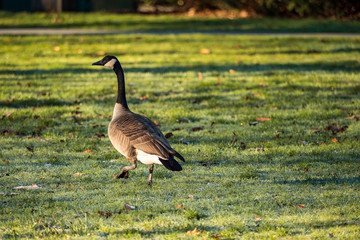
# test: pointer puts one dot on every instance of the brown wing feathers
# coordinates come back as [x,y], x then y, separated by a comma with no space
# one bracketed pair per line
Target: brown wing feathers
[144,135]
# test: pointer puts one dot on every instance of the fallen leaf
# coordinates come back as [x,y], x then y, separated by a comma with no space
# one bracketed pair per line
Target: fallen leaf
[200,76]
[31,149]
[356,117]
[194,232]
[169,134]
[81,188]
[6,161]
[215,236]
[129,207]
[232,71]
[77,174]
[56,48]
[261,84]
[190,197]
[334,140]
[31,187]
[105,214]
[262,119]
[143,97]
[88,151]
[101,53]
[205,51]
[335,128]
[99,135]
[156,123]
[194,129]
[79,51]
[300,206]
[180,206]
[257,219]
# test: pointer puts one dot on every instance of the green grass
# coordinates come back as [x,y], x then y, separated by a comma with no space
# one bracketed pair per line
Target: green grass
[133,22]
[247,181]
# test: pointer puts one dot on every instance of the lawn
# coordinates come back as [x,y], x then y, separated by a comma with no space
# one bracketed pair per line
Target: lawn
[272,126]
[133,22]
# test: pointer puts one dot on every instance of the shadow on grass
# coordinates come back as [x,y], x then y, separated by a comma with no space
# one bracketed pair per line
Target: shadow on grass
[32,102]
[342,66]
[151,23]
[321,181]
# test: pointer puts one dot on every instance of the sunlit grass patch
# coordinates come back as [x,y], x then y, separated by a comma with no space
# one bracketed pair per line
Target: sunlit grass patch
[270,140]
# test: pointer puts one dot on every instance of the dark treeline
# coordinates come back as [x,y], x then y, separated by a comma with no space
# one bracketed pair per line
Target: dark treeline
[341,9]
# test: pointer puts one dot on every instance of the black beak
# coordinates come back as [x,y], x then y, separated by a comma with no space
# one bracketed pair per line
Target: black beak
[97,63]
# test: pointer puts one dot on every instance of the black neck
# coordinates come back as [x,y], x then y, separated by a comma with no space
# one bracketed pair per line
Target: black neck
[121,98]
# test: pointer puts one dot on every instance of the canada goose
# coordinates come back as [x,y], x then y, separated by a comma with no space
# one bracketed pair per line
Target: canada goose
[135,136]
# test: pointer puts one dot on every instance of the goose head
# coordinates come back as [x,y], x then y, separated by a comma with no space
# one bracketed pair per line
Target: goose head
[107,61]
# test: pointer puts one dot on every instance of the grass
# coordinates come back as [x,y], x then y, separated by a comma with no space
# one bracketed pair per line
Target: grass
[133,22]
[295,176]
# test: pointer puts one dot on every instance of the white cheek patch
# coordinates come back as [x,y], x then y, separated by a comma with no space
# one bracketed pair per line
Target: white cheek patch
[110,63]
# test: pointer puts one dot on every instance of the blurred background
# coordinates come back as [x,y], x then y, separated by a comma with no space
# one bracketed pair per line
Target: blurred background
[344,9]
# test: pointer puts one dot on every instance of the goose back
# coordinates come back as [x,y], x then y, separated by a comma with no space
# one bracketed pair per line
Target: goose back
[129,132]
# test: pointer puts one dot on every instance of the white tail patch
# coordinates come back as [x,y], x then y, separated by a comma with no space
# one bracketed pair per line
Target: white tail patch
[147,158]
[110,63]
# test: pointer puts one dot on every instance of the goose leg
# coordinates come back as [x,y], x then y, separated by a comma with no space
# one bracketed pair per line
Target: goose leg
[125,170]
[151,169]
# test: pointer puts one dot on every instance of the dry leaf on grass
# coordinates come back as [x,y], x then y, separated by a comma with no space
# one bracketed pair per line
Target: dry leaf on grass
[105,214]
[190,197]
[31,149]
[77,174]
[56,48]
[232,71]
[334,140]
[6,161]
[263,119]
[101,53]
[194,232]
[30,187]
[143,97]
[9,194]
[200,76]
[88,151]
[180,206]
[300,206]
[129,207]
[356,117]
[169,134]
[194,129]
[205,51]
[257,219]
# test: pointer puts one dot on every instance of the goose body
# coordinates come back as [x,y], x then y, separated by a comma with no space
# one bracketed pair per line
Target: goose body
[137,137]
